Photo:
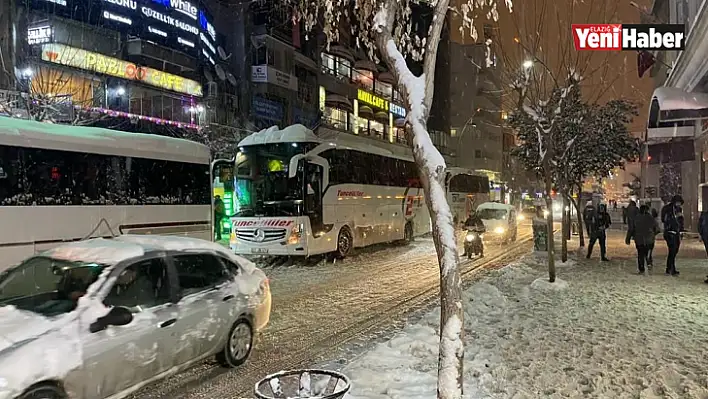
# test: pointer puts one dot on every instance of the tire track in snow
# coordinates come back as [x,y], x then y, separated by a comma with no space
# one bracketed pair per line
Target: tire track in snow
[315,322]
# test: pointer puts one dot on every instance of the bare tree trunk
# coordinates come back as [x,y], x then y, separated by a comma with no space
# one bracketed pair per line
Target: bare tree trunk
[581,228]
[549,227]
[565,228]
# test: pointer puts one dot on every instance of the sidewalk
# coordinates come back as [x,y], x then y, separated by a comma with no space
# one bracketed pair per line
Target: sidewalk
[600,331]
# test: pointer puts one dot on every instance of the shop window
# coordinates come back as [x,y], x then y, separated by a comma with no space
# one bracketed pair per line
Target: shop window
[52,177]
[399,135]
[328,64]
[344,68]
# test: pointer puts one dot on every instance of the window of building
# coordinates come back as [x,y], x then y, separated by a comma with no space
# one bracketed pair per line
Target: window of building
[453,132]
[337,66]
[478,153]
[335,117]
[384,89]
[365,79]
[32,176]
[344,68]
[149,102]
[399,135]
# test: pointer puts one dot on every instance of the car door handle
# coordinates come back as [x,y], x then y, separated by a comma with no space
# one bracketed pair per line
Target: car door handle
[228,298]
[168,323]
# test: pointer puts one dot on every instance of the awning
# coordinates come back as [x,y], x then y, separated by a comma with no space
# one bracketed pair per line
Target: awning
[366,112]
[337,101]
[400,122]
[386,77]
[381,116]
[670,104]
[341,51]
[365,65]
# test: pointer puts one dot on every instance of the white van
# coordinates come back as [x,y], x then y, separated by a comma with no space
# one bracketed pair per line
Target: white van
[499,221]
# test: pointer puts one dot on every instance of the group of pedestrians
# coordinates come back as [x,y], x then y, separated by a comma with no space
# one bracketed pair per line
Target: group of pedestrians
[643,229]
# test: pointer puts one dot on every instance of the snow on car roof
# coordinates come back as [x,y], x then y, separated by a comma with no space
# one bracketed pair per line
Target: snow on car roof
[115,250]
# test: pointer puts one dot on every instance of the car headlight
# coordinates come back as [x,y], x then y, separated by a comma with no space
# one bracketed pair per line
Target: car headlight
[499,230]
[470,237]
[521,217]
[545,214]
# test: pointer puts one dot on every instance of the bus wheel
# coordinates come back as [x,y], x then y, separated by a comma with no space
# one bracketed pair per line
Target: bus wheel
[408,234]
[345,242]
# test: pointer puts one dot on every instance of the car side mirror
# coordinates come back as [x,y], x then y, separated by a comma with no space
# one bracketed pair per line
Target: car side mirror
[117,316]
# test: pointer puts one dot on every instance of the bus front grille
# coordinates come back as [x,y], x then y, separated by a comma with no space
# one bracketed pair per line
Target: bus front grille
[260,235]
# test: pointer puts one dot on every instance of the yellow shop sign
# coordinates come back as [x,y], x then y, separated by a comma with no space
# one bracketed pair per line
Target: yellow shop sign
[89,61]
[372,100]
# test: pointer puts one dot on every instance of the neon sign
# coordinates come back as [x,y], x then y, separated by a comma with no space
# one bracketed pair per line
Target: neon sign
[78,58]
[206,41]
[372,100]
[182,6]
[150,13]
[185,42]
[397,110]
[204,23]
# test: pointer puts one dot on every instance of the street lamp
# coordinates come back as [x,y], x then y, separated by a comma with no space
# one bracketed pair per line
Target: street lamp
[528,64]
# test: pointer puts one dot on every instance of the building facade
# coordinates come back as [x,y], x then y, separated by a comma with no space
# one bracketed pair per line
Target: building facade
[677,131]
[151,66]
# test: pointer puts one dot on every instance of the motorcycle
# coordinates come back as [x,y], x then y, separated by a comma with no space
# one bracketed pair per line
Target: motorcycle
[473,243]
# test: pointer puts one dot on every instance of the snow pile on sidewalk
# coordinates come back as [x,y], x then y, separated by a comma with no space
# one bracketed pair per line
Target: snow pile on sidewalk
[602,332]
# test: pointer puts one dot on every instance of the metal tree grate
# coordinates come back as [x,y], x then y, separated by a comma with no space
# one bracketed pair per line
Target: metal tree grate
[303,384]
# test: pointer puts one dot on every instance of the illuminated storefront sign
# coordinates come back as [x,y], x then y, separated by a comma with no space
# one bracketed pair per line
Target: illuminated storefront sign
[90,61]
[150,13]
[132,4]
[372,100]
[60,2]
[185,42]
[182,6]
[206,25]
[207,42]
[208,57]
[117,18]
[42,34]
[397,110]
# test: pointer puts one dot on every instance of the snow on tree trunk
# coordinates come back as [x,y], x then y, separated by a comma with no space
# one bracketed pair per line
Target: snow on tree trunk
[581,228]
[417,91]
[565,229]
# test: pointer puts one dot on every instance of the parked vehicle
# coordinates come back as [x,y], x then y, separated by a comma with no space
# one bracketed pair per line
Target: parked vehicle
[500,221]
[103,317]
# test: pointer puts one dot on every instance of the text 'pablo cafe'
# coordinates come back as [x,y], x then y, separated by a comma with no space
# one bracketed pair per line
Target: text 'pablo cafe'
[368,115]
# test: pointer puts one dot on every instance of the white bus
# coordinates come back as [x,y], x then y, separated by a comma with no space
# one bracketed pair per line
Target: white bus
[466,190]
[58,183]
[301,195]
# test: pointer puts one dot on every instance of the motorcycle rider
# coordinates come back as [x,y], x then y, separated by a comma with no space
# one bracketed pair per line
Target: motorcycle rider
[474,223]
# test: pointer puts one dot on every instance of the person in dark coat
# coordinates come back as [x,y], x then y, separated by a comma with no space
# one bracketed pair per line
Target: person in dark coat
[672,218]
[624,214]
[643,230]
[632,212]
[588,213]
[219,213]
[598,224]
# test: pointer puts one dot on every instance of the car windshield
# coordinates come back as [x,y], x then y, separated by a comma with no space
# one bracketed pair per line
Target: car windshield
[47,286]
[492,214]
[264,187]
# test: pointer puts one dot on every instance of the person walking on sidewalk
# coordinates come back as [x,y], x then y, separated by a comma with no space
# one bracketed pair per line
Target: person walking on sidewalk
[598,224]
[588,213]
[643,230]
[672,218]
[632,212]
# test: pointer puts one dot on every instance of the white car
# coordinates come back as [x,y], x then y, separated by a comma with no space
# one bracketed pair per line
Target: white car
[103,317]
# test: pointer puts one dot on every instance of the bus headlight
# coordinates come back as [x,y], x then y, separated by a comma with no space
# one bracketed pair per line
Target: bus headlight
[470,237]
[232,238]
[296,234]
[520,217]
[499,230]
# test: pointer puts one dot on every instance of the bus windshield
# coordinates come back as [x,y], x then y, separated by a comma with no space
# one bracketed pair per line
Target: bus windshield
[264,187]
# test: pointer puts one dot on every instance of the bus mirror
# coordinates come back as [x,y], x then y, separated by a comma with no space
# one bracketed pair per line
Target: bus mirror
[292,168]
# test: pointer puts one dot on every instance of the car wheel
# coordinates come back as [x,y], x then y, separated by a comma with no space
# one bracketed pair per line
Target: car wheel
[238,345]
[345,242]
[408,234]
[44,391]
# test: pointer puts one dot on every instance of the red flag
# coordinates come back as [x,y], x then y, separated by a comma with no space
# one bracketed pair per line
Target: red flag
[645,60]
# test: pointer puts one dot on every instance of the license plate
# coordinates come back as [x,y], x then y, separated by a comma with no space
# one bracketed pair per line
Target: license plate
[259,250]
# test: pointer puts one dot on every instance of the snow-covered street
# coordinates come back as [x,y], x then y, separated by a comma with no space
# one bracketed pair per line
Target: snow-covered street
[601,331]
[321,307]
